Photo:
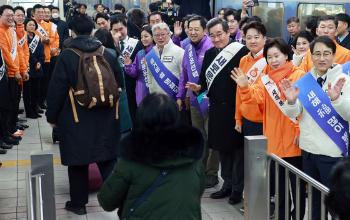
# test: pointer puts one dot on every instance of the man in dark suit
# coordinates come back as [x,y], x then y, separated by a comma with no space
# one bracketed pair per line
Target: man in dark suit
[343,37]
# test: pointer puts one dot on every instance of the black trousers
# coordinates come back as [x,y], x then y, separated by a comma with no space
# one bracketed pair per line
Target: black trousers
[44,83]
[31,94]
[232,169]
[250,128]
[318,167]
[4,116]
[15,94]
[297,162]
[79,181]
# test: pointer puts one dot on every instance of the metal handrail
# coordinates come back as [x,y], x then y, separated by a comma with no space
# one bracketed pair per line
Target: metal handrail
[312,183]
[35,209]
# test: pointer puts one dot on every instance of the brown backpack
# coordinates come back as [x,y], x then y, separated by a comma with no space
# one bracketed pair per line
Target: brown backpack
[96,85]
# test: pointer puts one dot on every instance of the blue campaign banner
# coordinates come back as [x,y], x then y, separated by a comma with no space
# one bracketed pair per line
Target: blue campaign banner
[165,79]
[319,106]
[346,68]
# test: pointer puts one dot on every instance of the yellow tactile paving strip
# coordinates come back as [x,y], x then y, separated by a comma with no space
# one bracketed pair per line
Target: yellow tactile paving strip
[15,163]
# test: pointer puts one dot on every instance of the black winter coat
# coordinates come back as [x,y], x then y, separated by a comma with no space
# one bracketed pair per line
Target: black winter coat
[34,58]
[346,42]
[222,135]
[95,137]
[199,7]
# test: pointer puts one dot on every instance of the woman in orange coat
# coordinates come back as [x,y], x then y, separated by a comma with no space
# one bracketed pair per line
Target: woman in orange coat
[281,131]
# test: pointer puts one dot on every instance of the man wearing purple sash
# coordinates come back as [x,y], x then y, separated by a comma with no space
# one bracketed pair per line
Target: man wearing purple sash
[191,68]
[321,101]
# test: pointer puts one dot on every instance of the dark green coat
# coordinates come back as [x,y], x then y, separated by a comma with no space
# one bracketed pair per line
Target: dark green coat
[178,197]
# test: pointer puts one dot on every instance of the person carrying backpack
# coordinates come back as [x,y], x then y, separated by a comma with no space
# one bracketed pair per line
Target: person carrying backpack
[83,100]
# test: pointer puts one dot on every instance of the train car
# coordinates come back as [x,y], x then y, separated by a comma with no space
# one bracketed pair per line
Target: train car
[275,13]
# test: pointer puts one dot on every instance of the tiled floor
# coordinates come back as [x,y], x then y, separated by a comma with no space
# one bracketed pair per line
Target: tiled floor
[38,138]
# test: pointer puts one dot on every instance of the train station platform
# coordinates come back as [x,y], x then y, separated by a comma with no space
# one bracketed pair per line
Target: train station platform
[38,138]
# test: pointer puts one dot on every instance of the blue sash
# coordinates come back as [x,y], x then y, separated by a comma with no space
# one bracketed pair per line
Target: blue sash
[346,68]
[143,66]
[318,105]
[165,79]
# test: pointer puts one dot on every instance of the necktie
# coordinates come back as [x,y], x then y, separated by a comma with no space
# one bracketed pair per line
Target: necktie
[320,81]
[122,46]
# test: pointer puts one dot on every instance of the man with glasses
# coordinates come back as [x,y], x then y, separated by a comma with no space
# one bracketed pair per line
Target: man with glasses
[215,80]
[164,62]
[321,101]
[9,48]
[327,26]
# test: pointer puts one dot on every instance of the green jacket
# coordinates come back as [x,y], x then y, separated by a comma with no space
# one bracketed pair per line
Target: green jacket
[179,195]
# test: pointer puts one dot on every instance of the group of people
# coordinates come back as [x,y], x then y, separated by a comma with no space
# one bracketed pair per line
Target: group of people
[224,74]
[29,47]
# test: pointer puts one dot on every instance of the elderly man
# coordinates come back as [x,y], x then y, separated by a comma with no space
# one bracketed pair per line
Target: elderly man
[164,62]
[222,136]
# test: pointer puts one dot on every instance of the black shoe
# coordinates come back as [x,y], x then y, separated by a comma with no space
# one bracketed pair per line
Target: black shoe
[32,116]
[3,151]
[11,141]
[43,106]
[211,181]
[23,126]
[17,138]
[21,120]
[235,198]
[6,146]
[39,111]
[38,115]
[222,193]
[76,210]
[20,111]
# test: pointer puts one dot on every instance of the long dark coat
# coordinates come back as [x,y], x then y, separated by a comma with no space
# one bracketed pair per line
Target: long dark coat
[346,42]
[222,135]
[95,137]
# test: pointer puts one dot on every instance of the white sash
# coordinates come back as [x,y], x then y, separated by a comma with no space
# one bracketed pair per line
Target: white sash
[220,61]
[42,31]
[3,67]
[275,94]
[14,45]
[22,41]
[129,47]
[33,45]
[255,71]
[53,27]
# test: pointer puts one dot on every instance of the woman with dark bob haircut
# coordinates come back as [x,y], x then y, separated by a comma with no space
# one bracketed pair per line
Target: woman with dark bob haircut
[160,173]
[338,199]
[282,134]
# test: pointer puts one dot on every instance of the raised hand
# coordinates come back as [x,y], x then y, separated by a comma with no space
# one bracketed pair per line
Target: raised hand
[335,92]
[291,93]
[239,77]
[178,28]
[127,60]
[193,86]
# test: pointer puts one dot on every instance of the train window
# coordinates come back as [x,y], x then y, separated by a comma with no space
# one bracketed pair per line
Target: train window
[308,9]
[271,14]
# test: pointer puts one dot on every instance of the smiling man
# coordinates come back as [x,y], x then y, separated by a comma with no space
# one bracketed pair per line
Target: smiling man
[327,26]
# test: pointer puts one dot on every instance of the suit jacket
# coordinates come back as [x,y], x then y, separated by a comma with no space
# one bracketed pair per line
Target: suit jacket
[346,42]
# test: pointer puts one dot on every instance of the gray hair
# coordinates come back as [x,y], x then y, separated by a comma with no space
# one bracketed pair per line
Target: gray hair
[161,26]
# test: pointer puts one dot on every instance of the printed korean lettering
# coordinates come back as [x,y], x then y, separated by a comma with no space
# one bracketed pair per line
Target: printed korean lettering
[315,102]
[221,60]
[345,138]
[161,75]
[332,121]
[167,81]
[338,127]
[321,112]
[326,109]
[311,95]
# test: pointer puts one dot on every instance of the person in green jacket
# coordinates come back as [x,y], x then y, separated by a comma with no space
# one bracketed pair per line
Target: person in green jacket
[159,143]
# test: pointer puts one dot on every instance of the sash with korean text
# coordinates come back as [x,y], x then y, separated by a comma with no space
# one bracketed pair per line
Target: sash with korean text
[193,71]
[22,41]
[34,44]
[255,71]
[42,31]
[220,61]
[13,51]
[143,66]
[319,106]
[165,79]
[275,94]
[129,48]
[185,43]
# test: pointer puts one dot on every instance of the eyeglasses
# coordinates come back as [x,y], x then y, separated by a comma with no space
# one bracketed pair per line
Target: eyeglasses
[326,54]
[161,35]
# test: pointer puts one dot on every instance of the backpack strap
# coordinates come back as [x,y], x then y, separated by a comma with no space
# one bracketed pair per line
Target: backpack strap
[157,182]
